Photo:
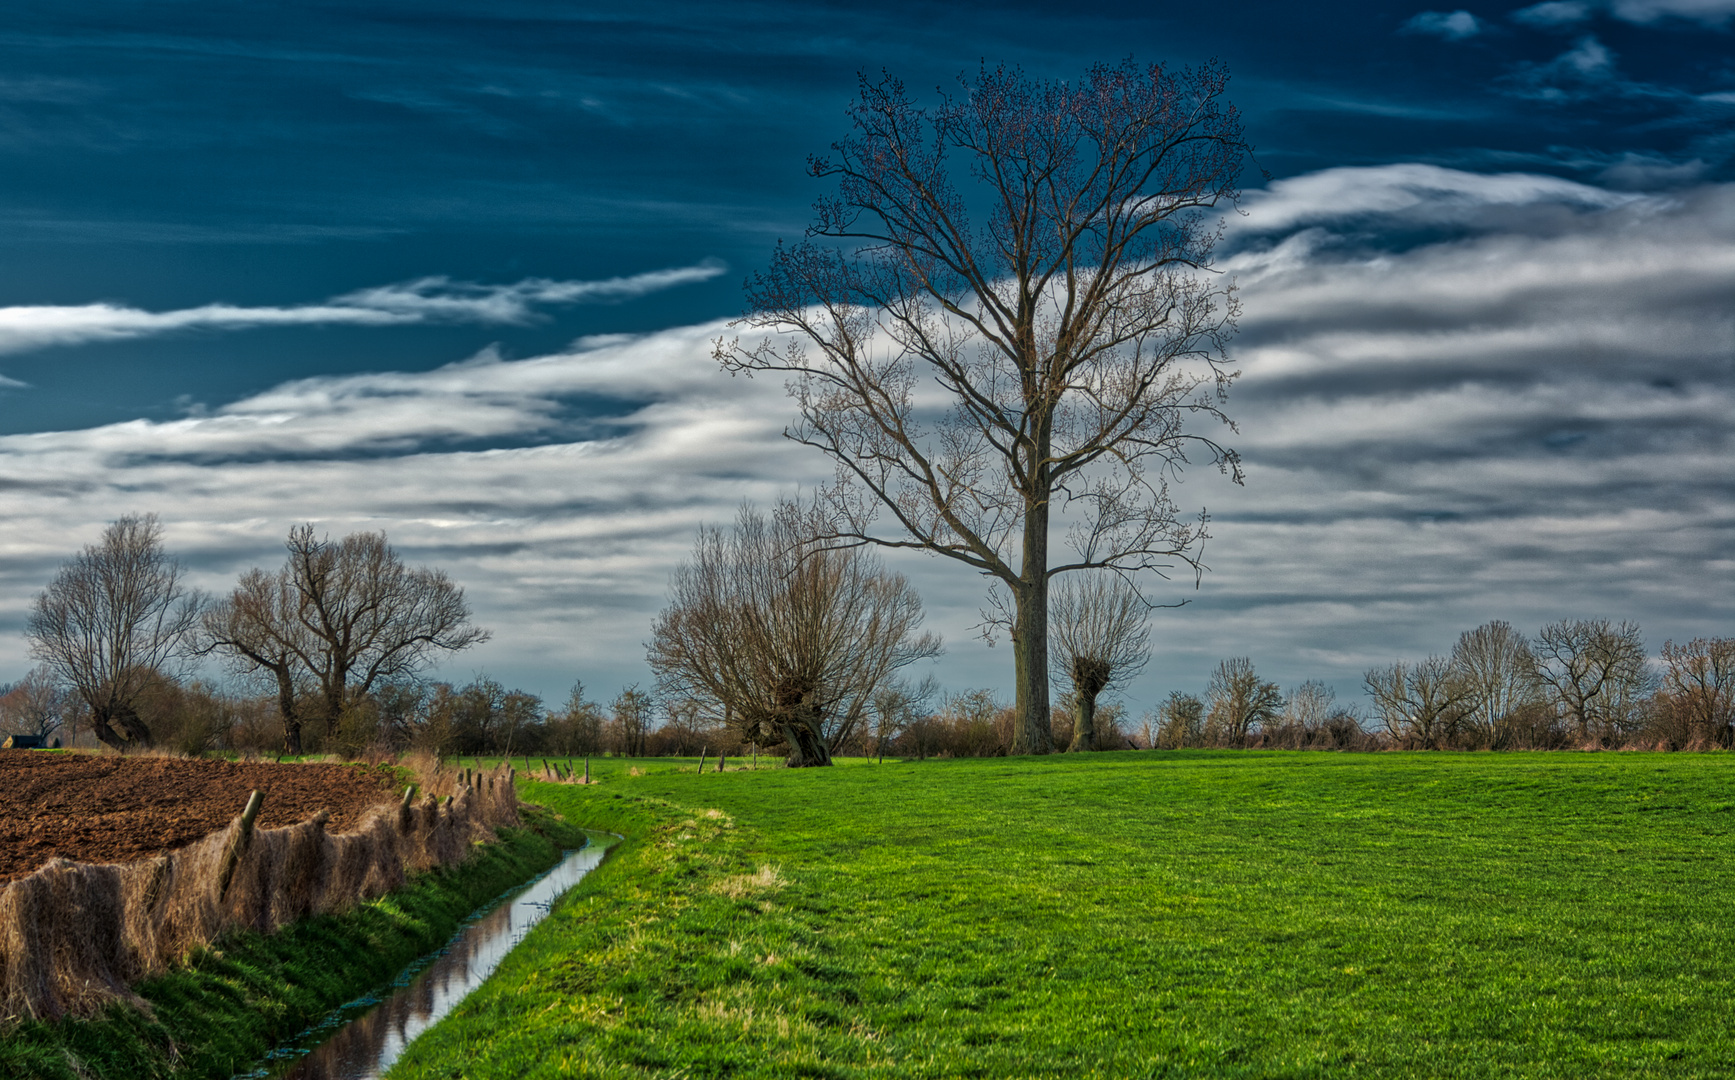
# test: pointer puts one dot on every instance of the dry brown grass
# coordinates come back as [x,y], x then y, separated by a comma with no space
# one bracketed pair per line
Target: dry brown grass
[741,886]
[74,935]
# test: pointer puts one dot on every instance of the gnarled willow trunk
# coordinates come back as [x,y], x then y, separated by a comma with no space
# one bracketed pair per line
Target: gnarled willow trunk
[1089,677]
[133,733]
[806,747]
[799,722]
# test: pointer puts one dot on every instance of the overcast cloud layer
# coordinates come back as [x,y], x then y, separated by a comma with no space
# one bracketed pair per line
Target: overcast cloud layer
[1464,397]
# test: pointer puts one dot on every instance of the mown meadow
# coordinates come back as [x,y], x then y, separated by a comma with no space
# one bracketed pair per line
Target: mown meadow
[1130,915]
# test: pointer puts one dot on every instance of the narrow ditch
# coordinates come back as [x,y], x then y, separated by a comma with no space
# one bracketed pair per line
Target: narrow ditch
[362,1039]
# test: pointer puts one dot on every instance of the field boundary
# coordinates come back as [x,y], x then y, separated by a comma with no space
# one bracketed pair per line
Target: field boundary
[76,936]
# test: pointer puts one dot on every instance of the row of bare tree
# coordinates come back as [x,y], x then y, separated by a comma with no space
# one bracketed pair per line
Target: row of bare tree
[1578,683]
[339,619]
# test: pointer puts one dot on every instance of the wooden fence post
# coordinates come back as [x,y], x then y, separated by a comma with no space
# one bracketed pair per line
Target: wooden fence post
[238,846]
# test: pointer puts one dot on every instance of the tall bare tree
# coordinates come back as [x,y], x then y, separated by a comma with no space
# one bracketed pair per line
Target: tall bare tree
[577,728]
[1425,704]
[632,719]
[114,616]
[1597,673]
[786,637]
[258,626]
[339,618]
[1102,638]
[1496,661]
[1238,701]
[1008,322]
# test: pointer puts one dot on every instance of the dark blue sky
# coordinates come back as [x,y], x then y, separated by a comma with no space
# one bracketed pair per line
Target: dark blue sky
[263,264]
[169,155]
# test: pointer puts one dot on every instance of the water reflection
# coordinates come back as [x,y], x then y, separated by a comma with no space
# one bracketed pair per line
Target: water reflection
[367,1045]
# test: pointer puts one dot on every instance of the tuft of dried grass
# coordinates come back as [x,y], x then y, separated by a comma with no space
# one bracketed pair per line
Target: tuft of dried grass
[64,950]
[742,886]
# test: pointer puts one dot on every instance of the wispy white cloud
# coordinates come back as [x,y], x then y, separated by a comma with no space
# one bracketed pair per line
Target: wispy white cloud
[1554,13]
[1417,192]
[1453,26]
[432,299]
[1584,72]
[1708,12]
[1647,172]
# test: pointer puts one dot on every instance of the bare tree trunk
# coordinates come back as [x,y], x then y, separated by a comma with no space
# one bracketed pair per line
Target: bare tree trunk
[286,709]
[1084,735]
[333,694]
[132,727]
[806,748]
[1033,735]
[105,734]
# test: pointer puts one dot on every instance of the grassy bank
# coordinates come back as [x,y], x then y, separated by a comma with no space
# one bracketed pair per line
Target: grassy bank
[229,1005]
[1132,915]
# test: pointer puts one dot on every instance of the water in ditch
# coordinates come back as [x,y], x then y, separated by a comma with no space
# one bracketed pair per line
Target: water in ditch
[361,1040]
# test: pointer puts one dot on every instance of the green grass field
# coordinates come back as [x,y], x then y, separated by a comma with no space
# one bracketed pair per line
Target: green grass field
[1132,915]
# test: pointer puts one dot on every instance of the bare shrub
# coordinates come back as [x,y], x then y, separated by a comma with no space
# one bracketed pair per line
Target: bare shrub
[1697,700]
[194,718]
[1180,722]
[1239,702]
[899,707]
[1312,720]
[975,723]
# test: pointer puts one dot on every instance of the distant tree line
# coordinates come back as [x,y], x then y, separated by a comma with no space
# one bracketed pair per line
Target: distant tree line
[1578,684]
[772,642]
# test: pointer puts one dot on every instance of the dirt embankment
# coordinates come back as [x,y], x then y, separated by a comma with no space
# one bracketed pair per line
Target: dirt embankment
[115,809]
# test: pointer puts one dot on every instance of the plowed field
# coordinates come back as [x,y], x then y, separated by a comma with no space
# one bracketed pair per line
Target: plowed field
[116,809]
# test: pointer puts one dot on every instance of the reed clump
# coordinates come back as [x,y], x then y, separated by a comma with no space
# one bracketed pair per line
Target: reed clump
[74,936]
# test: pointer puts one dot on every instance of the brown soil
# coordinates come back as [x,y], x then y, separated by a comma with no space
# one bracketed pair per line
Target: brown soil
[95,808]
